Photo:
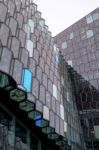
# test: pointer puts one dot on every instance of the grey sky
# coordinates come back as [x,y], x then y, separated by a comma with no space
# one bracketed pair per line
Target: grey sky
[59,14]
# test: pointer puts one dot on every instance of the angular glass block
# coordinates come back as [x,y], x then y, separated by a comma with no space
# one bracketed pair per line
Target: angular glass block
[89,33]
[65,126]
[31,24]
[46,113]
[29,47]
[62,111]
[70,63]
[27,29]
[54,91]
[27,79]
[89,19]
[96,130]
[64,45]
[95,16]
[42,23]
[68,98]
[71,35]
[57,58]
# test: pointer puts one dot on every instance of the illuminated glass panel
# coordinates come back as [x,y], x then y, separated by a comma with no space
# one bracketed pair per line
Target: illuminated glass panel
[42,23]
[64,45]
[89,19]
[96,130]
[70,63]
[31,24]
[89,33]
[27,79]
[46,113]
[62,111]
[38,123]
[54,91]
[71,35]
[29,47]
[95,16]
[57,58]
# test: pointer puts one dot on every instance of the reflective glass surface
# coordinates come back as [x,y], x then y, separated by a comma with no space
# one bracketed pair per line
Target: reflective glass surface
[54,91]
[89,33]
[27,79]
[89,19]
[29,47]
[31,24]
[64,45]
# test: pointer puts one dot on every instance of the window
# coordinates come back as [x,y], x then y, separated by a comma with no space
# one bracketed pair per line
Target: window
[68,97]
[27,79]
[46,113]
[71,35]
[89,33]
[70,63]
[96,130]
[89,19]
[54,91]
[62,111]
[95,16]
[57,58]
[27,29]
[42,23]
[64,45]
[29,47]
[31,24]
[65,126]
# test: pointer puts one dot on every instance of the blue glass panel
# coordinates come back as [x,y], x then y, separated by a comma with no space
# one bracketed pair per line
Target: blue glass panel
[38,117]
[38,123]
[27,79]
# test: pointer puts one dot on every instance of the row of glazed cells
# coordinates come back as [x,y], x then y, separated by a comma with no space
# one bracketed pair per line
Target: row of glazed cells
[15,136]
[74,130]
[31,57]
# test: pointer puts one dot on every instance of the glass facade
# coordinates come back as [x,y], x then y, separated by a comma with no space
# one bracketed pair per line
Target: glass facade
[27,79]
[83,52]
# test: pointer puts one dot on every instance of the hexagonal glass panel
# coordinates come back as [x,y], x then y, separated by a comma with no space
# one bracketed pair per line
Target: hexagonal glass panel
[27,79]
[29,47]
[89,33]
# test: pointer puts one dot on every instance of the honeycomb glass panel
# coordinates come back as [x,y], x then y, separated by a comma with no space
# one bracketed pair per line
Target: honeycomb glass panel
[54,91]
[29,47]
[70,63]
[89,19]
[42,23]
[46,113]
[31,24]
[89,33]
[62,111]
[27,79]
[95,16]
[71,35]
[64,45]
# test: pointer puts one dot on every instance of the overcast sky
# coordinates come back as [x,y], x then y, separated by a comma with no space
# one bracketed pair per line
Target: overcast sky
[60,14]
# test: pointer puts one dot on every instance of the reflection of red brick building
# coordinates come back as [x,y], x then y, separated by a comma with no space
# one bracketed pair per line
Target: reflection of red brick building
[80,45]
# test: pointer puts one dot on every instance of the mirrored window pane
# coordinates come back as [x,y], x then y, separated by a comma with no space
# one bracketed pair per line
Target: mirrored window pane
[89,33]
[62,111]
[54,91]
[71,35]
[95,16]
[64,45]
[89,19]
[29,47]
[31,24]
[27,79]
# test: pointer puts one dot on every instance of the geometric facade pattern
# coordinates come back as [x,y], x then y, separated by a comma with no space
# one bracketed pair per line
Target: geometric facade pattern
[29,56]
[79,45]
